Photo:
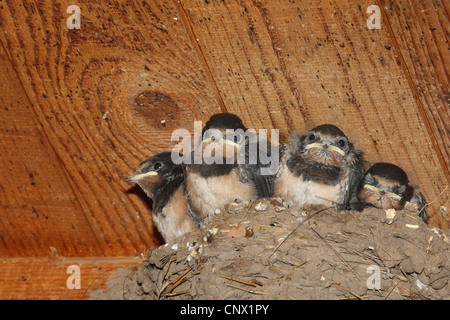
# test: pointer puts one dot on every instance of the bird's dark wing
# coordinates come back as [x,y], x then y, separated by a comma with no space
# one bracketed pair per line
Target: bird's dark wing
[171,183]
[258,158]
[419,199]
[355,176]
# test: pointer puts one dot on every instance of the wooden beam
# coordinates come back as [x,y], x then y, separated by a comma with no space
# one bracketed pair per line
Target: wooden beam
[293,65]
[85,106]
[39,209]
[44,279]
[100,95]
[421,31]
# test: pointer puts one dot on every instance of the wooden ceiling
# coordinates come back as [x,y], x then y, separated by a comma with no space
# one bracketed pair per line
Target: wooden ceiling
[79,109]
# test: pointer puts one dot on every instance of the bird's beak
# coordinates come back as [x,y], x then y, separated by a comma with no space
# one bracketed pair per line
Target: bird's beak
[319,145]
[225,141]
[371,188]
[313,145]
[389,194]
[139,176]
[393,196]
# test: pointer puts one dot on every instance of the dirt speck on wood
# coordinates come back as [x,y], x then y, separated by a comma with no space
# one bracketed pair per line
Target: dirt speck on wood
[250,251]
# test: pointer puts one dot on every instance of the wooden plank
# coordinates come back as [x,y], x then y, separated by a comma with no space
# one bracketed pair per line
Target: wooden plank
[422,33]
[38,208]
[43,279]
[242,57]
[296,64]
[100,94]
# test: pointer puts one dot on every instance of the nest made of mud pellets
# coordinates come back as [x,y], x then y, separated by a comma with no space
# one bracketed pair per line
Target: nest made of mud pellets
[264,250]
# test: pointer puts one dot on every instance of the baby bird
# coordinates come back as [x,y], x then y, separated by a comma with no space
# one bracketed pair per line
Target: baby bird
[321,168]
[163,182]
[219,178]
[387,186]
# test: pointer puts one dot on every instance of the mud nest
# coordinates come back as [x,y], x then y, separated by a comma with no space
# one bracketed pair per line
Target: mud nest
[264,250]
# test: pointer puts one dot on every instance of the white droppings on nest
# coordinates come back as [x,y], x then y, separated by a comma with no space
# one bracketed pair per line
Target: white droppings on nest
[410,206]
[439,233]
[261,206]
[444,213]
[195,250]
[390,215]
[421,285]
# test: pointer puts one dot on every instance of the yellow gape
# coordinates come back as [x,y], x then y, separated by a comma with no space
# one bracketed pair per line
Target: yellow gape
[389,194]
[319,145]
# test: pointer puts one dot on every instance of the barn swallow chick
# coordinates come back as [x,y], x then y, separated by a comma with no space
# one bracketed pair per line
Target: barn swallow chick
[163,182]
[320,168]
[387,186]
[219,179]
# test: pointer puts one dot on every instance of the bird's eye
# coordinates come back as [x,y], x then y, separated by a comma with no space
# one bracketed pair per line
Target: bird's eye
[400,190]
[312,137]
[342,142]
[237,138]
[213,138]
[157,165]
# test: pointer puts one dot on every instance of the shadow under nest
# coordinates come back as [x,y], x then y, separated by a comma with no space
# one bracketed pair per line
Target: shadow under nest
[264,250]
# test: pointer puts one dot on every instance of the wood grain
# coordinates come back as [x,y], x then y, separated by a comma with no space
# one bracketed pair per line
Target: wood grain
[85,107]
[44,279]
[421,30]
[38,208]
[100,94]
[295,64]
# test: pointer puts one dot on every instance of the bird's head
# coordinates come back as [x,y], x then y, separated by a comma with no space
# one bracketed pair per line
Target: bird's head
[327,145]
[153,171]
